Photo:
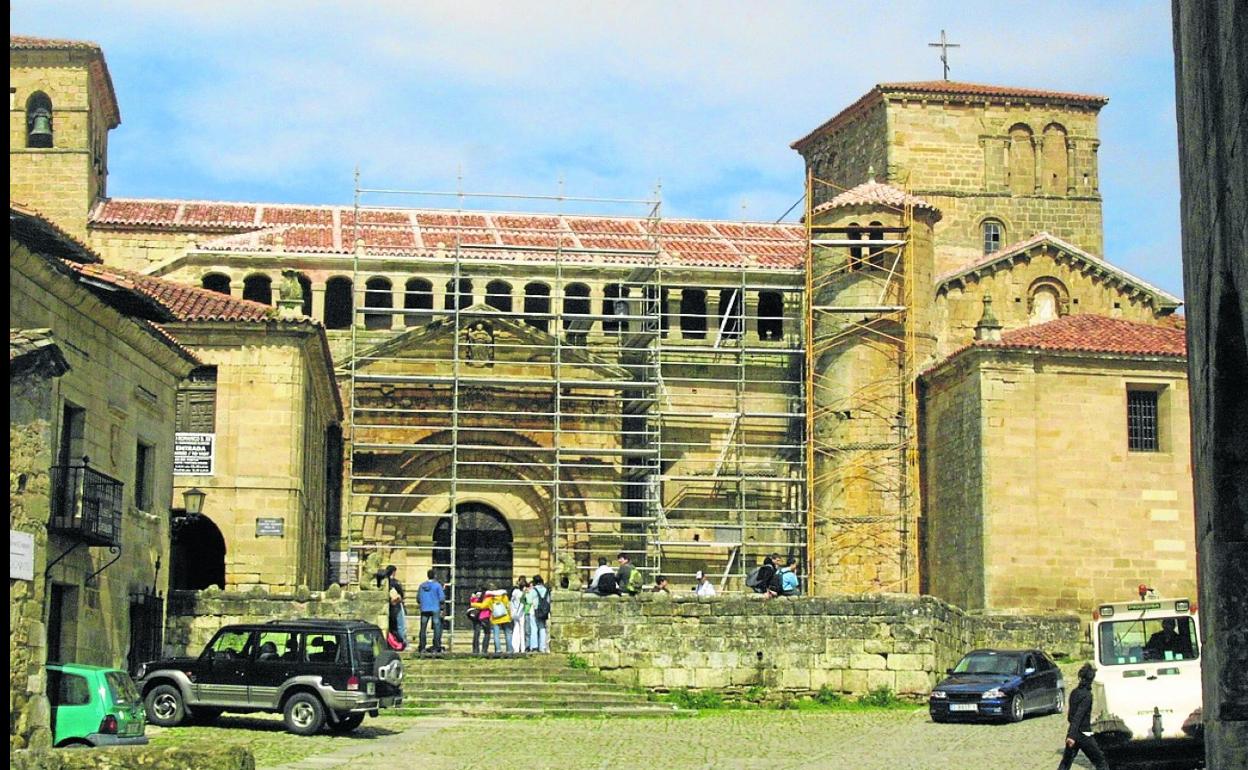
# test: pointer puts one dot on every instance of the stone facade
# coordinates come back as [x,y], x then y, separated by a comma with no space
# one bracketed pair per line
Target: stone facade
[1209,44]
[1006,529]
[115,406]
[274,400]
[848,644]
[199,757]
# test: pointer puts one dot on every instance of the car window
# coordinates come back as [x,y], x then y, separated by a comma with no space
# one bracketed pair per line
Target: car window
[72,690]
[323,648]
[988,663]
[230,645]
[277,645]
[122,687]
[1143,639]
[368,645]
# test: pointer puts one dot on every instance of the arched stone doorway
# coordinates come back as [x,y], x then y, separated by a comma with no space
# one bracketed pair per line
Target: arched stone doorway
[197,554]
[483,551]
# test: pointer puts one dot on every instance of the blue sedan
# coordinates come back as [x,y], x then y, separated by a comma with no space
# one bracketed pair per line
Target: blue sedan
[999,685]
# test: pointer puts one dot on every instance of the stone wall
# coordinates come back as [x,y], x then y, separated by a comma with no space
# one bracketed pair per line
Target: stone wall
[1210,40]
[851,644]
[129,757]
[194,616]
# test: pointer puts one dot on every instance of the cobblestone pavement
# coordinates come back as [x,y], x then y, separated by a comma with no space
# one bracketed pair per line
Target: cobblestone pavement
[732,740]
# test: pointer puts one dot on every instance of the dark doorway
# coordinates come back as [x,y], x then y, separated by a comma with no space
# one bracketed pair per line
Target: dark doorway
[482,552]
[62,614]
[197,557]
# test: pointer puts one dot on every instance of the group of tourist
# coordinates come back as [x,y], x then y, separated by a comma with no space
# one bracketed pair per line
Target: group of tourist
[515,619]
[769,579]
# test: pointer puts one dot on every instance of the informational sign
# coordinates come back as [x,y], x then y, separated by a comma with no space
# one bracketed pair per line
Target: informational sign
[21,556]
[194,454]
[270,527]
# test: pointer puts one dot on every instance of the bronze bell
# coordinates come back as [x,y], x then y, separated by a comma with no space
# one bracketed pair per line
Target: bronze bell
[40,134]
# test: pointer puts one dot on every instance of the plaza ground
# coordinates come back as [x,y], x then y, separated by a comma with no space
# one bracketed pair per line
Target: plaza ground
[724,740]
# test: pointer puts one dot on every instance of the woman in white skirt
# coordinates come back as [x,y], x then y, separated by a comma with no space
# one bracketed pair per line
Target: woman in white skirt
[519,614]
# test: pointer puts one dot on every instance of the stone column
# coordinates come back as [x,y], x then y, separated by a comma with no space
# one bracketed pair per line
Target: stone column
[318,301]
[236,289]
[1071,184]
[398,293]
[1037,161]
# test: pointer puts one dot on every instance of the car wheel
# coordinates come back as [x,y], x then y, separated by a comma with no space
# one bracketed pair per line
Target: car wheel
[1059,702]
[164,706]
[304,714]
[346,723]
[1016,708]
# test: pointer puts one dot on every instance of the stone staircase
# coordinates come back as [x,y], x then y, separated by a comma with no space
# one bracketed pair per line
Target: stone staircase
[459,684]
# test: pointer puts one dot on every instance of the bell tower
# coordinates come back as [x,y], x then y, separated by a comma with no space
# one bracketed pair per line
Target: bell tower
[61,108]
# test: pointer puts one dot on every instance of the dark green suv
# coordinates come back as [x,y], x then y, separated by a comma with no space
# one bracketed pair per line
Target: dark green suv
[94,706]
[316,673]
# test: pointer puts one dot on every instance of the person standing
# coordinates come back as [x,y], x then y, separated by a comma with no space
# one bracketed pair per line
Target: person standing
[785,582]
[497,609]
[431,597]
[519,614]
[397,613]
[1079,715]
[480,623]
[539,614]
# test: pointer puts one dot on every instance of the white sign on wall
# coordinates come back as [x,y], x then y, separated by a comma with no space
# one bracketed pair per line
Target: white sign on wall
[194,454]
[21,556]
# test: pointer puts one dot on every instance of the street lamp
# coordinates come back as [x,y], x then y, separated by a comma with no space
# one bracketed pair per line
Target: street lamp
[193,499]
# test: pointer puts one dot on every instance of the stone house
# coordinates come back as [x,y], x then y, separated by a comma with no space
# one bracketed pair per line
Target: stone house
[527,392]
[93,380]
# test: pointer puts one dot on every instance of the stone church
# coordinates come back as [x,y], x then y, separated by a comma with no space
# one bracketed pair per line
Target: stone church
[933,382]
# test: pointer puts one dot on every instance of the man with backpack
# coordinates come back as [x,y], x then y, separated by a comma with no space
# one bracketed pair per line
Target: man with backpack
[629,577]
[760,578]
[539,637]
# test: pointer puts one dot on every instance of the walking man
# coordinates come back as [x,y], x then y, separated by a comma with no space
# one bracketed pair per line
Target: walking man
[1079,736]
[431,599]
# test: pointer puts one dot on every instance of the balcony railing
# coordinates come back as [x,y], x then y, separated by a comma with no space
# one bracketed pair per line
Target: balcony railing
[86,505]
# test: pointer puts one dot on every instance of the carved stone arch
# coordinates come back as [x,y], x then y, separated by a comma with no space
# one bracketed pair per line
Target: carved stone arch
[1056,170]
[1038,297]
[1022,159]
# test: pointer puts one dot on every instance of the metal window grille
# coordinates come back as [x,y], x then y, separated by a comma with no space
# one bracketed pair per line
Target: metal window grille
[1142,421]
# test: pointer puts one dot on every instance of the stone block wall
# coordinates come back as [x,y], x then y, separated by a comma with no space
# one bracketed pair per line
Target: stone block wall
[200,758]
[194,616]
[851,644]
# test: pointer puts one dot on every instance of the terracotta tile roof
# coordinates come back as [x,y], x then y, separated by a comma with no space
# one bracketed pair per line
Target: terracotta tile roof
[1096,334]
[873,193]
[100,76]
[495,236]
[183,302]
[947,88]
[1026,248]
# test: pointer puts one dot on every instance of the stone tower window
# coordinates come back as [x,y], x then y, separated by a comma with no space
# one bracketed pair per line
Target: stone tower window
[305,286]
[693,314]
[614,303]
[417,295]
[855,252]
[770,315]
[377,295]
[993,233]
[39,120]
[1055,170]
[537,305]
[1022,161]
[875,254]
[218,282]
[258,288]
[730,321]
[498,296]
[339,303]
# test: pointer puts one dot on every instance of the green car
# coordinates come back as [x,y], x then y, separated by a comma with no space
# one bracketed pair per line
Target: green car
[94,706]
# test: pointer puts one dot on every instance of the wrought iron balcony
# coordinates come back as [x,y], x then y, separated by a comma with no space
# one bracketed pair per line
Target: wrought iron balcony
[86,505]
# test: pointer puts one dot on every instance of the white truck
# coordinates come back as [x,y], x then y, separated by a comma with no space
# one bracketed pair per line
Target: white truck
[1146,699]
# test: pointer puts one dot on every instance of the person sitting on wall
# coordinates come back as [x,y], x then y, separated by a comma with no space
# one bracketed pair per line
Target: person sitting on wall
[703,586]
[628,577]
[660,586]
[759,580]
[607,585]
[603,569]
[785,581]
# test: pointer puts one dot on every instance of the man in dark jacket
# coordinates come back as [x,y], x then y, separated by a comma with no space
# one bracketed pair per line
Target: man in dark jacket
[1079,715]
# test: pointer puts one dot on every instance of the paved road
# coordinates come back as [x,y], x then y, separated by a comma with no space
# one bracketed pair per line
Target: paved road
[874,740]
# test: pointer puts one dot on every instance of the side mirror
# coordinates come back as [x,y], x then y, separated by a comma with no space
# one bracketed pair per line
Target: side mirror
[948,671]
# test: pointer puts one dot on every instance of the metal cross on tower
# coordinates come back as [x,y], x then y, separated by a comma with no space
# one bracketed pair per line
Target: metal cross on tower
[944,46]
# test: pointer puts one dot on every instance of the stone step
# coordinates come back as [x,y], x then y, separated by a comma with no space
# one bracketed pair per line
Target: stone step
[485,691]
[418,700]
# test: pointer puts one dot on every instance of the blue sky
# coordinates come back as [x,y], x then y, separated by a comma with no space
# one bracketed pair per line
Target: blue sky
[279,101]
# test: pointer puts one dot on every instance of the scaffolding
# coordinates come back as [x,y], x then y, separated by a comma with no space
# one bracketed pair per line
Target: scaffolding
[861,404]
[642,425]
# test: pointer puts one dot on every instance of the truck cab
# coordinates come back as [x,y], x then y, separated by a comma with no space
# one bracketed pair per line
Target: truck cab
[1147,692]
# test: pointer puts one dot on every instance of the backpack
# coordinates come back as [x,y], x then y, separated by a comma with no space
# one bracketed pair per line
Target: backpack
[542,612]
[607,584]
[498,609]
[755,578]
[635,579]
